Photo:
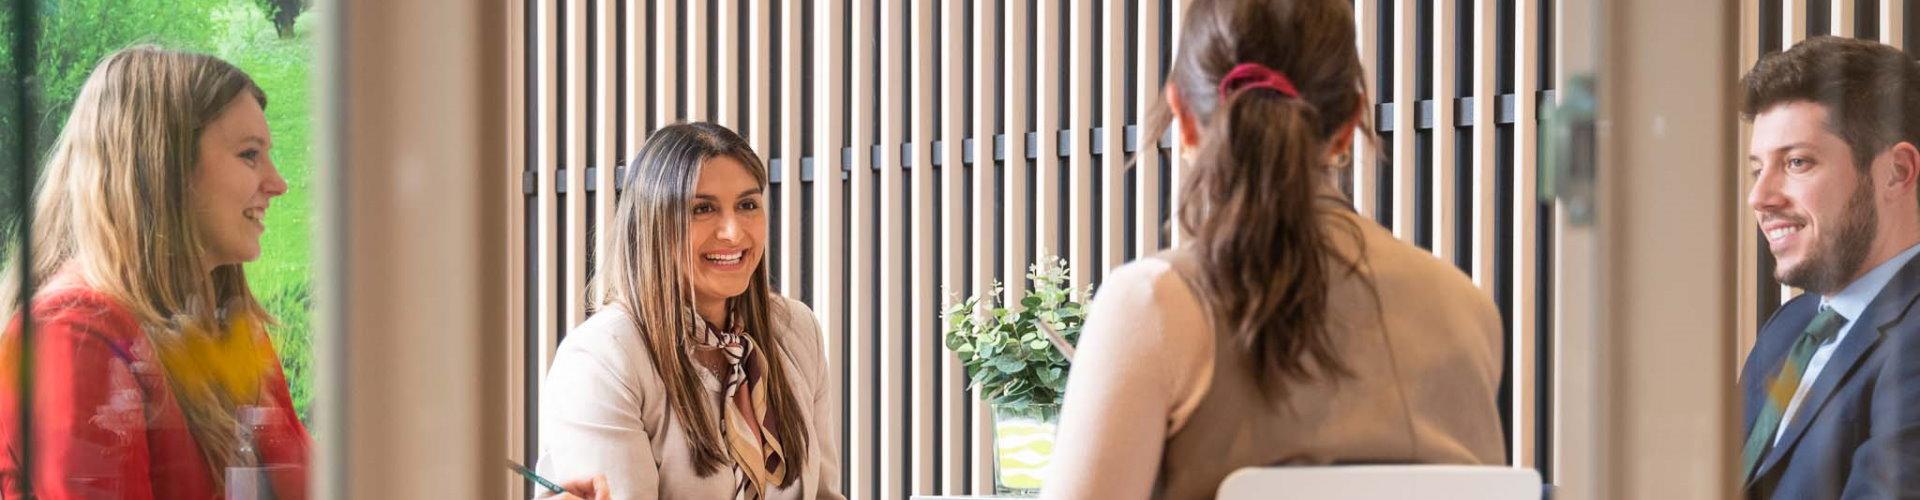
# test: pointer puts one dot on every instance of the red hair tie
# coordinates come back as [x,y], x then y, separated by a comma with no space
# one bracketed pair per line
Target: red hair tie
[1256,76]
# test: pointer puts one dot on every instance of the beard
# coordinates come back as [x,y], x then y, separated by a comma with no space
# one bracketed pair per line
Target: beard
[1836,258]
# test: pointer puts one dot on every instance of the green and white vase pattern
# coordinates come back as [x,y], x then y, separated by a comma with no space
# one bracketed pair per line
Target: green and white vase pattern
[1022,447]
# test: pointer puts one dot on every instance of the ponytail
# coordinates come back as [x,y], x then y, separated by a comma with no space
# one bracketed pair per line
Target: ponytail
[1257,210]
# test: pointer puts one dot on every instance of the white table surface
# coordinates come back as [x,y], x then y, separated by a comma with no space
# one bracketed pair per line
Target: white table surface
[937,497]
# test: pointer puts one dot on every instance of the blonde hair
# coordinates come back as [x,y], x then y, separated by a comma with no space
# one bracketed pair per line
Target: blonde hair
[645,275]
[112,205]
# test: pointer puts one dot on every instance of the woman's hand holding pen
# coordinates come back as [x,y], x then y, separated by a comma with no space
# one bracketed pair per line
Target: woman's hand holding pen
[594,488]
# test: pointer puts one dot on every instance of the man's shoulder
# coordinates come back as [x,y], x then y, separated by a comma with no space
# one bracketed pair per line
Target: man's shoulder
[1783,327]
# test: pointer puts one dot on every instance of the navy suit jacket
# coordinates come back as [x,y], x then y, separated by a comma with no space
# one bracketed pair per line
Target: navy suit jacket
[1856,434]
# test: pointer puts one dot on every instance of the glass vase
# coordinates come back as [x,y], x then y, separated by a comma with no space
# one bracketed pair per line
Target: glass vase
[1023,444]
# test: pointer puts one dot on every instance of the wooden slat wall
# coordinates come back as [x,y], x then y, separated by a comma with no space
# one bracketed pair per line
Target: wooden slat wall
[1443,208]
[954,281]
[1526,341]
[904,135]
[864,443]
[518,372]
[1485,140]
[1149,236]
[984,87]
[829,223]
[546,303]
[1047,100]
[926,295]
[1403,136]
[792,44]
[1366,14]
[893,123]
[1084,215]
[1112,135]
[1748,303]
[606,118]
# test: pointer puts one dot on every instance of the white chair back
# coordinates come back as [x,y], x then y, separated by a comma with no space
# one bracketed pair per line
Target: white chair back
[1383,482]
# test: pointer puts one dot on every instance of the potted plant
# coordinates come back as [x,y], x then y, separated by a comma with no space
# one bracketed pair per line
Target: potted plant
[1016,360]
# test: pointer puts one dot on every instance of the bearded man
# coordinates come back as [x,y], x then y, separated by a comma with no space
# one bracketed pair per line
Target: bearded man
[1832,385]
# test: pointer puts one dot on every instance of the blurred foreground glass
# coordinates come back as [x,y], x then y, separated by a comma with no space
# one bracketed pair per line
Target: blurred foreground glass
[49,50]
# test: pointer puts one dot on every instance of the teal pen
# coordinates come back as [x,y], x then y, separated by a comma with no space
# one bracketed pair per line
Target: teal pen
[544,483]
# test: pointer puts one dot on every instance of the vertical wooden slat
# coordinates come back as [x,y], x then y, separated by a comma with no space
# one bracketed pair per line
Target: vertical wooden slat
[1176,171]
[546,198]
[666,65]
[1840,22]
[1486,63]
[726,60]
[1146,159]
[892,332]
[635,86]
[606,125]
[1047,124]
[1083,214]
[858,332]
[1525,199]
[1113,139]
[1014,118]
[757,128]
[954,254]
[1893,17]
[792,43]
[926,344]
[1794,22]
[985,93]
[1573,348]
[1367,16]
[1443,213]
[516,314]
[1748,280]
[576,163]
[698,59]
[1405,101]
[829,287]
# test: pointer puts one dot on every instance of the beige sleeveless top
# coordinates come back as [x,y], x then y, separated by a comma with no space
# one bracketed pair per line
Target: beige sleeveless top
[1162,404]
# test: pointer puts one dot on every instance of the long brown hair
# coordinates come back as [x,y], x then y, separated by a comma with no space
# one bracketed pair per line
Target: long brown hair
[112,204]
[1258,199]
[645,274]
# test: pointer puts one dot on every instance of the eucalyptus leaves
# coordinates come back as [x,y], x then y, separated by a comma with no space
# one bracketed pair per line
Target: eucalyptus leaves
[1017,364]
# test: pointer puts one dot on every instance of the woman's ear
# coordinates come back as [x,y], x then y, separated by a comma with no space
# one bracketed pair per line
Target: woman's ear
[1189,129]
[1343,140]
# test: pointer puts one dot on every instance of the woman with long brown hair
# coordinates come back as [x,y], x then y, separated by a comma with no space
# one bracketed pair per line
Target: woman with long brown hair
[152,373]
[692,379]
[1325,340]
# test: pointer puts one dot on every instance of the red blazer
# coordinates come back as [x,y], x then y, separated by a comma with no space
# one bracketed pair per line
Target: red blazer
[105,422]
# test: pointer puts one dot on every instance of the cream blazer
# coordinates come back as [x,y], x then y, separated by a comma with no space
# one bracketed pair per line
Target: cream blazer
[604,410]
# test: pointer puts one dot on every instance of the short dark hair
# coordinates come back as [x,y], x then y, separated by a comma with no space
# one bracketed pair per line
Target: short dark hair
[1866,87]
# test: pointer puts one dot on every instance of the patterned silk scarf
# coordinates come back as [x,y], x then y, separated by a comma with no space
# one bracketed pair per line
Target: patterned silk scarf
[757,457]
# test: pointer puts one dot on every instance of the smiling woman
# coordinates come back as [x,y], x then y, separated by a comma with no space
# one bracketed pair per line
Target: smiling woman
[727,229]
[692,379]
[236,182]
[152,375]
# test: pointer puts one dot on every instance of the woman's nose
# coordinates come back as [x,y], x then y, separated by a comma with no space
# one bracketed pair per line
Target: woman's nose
[729,230]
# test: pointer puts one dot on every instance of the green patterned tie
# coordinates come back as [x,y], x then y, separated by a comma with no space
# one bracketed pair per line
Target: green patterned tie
[1781,388]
